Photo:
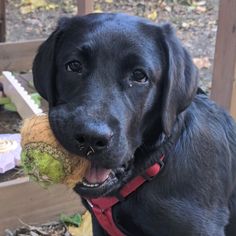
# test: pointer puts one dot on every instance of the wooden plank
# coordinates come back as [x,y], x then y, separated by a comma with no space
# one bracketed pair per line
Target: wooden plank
[223,84]
[26,81]
[27,201]
[25,106]
[233,100]
[2,21]
[85,7]
[18,56]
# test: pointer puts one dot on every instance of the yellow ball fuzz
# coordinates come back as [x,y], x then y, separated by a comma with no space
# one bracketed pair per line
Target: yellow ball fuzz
[44,159]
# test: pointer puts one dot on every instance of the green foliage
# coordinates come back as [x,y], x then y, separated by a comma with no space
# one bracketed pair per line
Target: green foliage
[36,98]
[7,104]
[75,220]
[4,100]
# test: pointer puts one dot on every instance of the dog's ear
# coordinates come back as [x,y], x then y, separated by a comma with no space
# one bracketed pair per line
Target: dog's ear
[179,81]
[44,69]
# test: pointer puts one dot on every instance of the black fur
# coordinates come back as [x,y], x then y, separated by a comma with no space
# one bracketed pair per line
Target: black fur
[126,121]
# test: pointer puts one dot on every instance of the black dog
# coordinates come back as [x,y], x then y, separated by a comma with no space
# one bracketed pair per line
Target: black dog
[122,92]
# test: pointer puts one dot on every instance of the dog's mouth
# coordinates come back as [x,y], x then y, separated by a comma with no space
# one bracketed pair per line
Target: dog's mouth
[95,176]
[99,181]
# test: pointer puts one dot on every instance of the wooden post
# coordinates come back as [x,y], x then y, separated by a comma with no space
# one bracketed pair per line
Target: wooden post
[18,56]
[85,7]
[224,74]
[2,21]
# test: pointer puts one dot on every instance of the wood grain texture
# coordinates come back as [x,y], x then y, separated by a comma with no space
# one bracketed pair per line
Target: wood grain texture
[25,106]
[27,201]
[233,99]
[224,76]
[84,7]
[18,56]
[2,21]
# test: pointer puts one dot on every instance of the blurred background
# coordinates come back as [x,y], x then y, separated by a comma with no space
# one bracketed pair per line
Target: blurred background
[194,20]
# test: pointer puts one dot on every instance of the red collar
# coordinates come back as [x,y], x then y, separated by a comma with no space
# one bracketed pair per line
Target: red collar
[102,207]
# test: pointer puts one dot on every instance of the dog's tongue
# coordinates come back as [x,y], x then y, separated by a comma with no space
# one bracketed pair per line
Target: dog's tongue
[97,174]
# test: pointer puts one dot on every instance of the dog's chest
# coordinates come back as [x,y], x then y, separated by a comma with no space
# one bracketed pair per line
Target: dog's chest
[135,214]
[147,212]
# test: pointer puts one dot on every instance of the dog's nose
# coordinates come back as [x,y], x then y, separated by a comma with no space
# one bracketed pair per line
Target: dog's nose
[95,137]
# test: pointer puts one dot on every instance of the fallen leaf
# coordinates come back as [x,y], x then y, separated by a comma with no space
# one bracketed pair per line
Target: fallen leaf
[28,6]
[4,100]
[109,1]
[71,220]
[36,98]
[185,25]
[201,9]
[25,10]
[34,3]
[199,3]
[212,22]
[202,62]
[7,104]
[152,15]
[168,8]
[85,227]
[97,11]
[97,8]
[51,6]
[25,2]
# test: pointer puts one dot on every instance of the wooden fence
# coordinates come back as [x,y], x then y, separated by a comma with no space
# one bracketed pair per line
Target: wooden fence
[18,56]
[224,74]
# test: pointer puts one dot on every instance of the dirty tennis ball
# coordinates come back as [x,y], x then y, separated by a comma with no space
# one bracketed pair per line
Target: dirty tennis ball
[44,159]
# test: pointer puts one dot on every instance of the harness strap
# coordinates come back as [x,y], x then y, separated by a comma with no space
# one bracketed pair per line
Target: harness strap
[102,207]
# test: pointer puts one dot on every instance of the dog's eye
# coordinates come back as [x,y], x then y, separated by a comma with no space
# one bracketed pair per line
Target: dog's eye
[139,76]
[74,66]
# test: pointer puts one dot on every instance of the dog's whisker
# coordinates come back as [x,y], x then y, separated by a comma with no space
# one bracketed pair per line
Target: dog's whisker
[89,153]
[92,149]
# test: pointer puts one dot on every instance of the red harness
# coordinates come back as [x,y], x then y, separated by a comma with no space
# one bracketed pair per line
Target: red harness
[102,207]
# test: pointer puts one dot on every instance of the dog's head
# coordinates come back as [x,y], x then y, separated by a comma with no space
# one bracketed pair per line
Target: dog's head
[113,82]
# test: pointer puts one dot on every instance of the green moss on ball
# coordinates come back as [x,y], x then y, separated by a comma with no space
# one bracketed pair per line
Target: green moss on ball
[44,164]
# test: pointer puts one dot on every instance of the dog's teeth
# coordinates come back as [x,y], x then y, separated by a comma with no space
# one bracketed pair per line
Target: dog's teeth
[90,185]
[112,174]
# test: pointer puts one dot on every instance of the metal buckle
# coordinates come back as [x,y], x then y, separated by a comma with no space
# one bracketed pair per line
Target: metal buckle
[161,163]
[147,177]
[119,196]
[90,203]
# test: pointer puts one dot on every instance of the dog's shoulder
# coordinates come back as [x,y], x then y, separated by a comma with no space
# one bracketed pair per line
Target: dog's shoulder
[209,134]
